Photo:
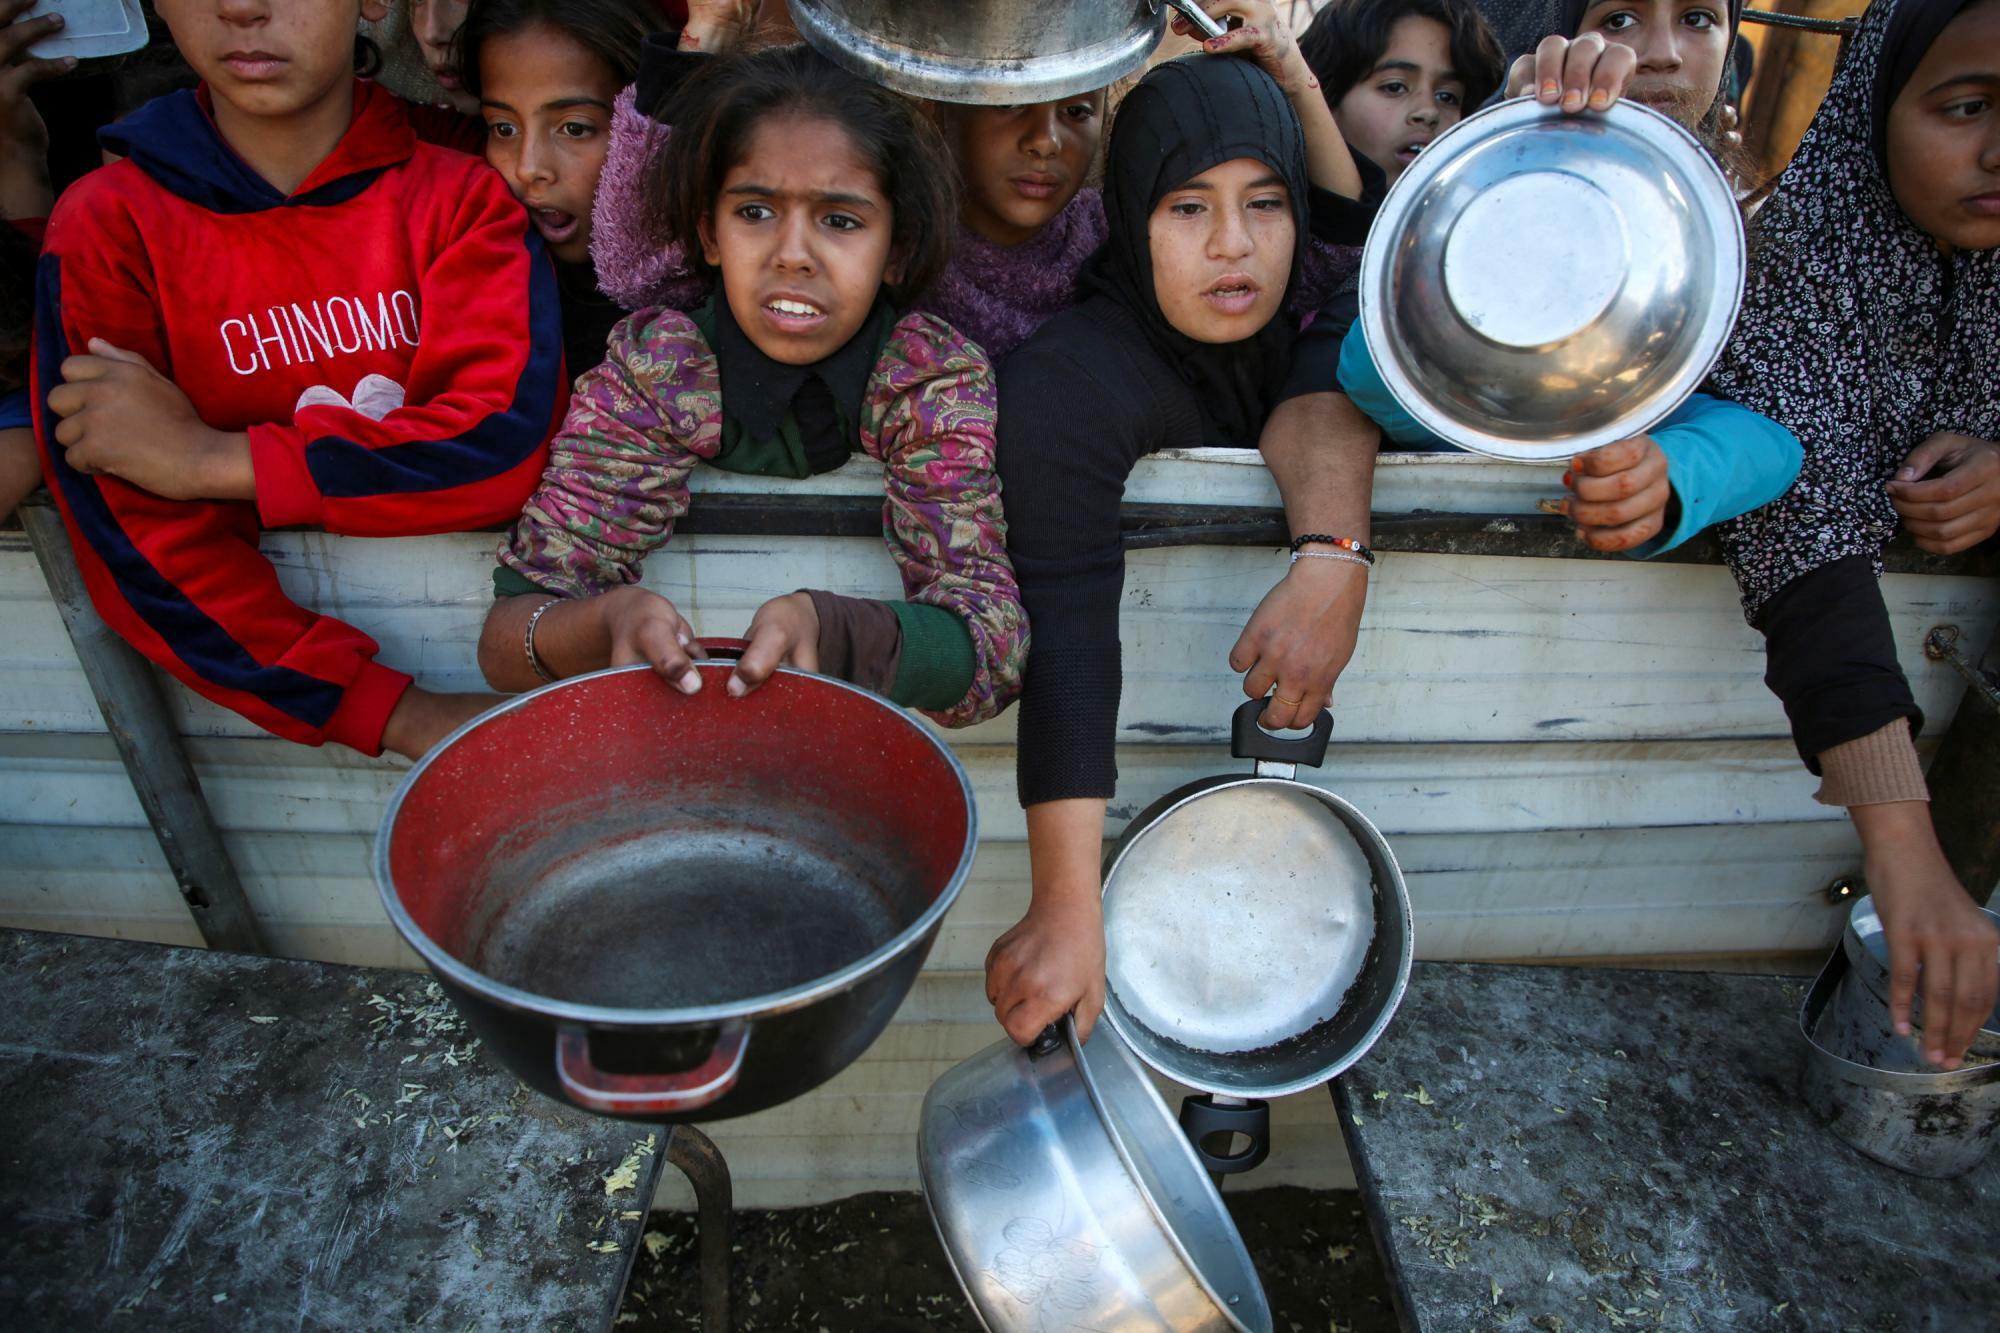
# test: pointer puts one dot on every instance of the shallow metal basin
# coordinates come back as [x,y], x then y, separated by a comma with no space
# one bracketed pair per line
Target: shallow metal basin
[1539,284]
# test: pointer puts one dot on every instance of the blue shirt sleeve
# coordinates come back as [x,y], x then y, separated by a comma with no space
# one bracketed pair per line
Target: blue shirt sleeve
[1361,380]
[1722,460]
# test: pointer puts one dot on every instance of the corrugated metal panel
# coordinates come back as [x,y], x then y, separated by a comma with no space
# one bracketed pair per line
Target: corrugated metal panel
[1571,758]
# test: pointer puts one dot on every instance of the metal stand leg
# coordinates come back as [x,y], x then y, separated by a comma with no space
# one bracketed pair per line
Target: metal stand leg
[695,1155]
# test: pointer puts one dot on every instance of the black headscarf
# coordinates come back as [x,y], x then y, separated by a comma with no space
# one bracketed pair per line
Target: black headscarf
[1912,28]
[1185,117]
[1856,334]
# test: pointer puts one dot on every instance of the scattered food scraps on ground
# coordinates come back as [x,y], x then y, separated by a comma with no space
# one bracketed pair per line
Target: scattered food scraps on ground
[625,1176]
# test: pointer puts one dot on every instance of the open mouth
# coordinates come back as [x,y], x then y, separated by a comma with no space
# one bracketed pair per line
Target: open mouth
[1233,294]
[447,79]
[1408,152]
[555,225]
[793,314]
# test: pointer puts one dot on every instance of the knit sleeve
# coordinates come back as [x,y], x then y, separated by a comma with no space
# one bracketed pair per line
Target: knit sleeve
[1830,657]
[617,474]
[929,417]
[1071,428]
[635,267]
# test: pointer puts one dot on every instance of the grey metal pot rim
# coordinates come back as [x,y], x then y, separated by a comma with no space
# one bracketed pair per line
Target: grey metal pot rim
[753,1007]
[1912,1083]
[981,82]
[1194,791]
[1211,1196]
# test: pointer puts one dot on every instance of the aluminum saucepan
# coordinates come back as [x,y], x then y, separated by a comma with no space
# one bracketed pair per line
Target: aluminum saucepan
[998,52]
[1257,928]
[1067,1198]
[678,907]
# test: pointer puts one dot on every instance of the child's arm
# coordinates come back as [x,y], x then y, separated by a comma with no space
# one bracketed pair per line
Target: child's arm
[615,484]
[1710,461]
[1265,38]
[930,419]
[485,389]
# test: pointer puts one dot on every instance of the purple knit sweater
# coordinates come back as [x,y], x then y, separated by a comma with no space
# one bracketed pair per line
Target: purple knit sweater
[995,295]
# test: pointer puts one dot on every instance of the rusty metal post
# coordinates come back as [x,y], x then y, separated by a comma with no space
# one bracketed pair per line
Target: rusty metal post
[1964,775]
[697,1158]
[135,713]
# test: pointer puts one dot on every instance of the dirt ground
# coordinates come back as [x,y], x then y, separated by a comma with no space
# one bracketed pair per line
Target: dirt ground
[873,1263]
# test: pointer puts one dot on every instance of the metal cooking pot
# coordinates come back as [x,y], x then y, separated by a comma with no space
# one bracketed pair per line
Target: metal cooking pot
[668,907]
[1066,1197]
[1257,934]
[997,52]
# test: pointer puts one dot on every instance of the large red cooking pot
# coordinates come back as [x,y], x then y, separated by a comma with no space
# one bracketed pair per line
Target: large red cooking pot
[669,907]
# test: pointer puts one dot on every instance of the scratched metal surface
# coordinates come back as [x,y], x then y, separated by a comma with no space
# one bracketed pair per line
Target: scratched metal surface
[1548,1148]
[170,1158]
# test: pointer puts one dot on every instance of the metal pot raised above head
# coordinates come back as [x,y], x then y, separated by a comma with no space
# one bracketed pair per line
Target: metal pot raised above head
[678,907]
[996,52]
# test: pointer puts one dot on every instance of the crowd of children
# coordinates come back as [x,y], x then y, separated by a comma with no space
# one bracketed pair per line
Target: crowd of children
[289,299]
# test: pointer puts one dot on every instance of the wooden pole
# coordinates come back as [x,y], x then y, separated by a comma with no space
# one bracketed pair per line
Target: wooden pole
[135,713]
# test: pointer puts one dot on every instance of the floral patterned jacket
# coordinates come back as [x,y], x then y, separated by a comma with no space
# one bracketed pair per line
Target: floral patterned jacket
[640,421]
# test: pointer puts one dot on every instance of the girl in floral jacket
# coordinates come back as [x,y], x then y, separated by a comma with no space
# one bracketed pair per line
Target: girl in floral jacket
[815,201]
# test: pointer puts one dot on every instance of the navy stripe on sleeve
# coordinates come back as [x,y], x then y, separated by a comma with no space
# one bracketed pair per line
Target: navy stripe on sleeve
[496,444]
[205,646]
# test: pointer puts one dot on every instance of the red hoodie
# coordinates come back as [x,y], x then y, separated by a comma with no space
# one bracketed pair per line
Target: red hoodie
[399,276]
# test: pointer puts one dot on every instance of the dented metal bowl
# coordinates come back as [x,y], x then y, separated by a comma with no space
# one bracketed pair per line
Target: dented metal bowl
[1537,284]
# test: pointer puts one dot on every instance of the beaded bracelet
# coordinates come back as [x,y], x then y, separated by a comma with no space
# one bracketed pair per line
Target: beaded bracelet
[1344,543]
[528,641]
[1333,555]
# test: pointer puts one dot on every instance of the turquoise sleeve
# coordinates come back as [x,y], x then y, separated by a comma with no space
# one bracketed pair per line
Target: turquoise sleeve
[1722,460]
[1364,386]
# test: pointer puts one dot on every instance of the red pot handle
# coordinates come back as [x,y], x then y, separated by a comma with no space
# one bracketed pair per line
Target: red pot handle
[648,1094]
[726,649]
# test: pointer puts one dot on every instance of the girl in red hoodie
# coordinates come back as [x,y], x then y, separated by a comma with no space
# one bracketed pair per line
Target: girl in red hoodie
[280,309]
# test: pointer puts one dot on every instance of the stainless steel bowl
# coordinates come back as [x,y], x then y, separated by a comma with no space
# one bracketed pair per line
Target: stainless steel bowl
[1538,284]
[997,52]
[1067,1198]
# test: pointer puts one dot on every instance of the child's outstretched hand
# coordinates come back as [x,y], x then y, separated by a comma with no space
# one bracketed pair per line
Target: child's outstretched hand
[1049,964]
[784,632]
[1957,508]
[1939,942]
[24,140]
[1621,494]
[717,25]
[1588,73]
[1263,36]
[646,627]
[122,417]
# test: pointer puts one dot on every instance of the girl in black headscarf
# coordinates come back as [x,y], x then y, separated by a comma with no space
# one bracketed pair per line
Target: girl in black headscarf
[1178,343]
[1870,328]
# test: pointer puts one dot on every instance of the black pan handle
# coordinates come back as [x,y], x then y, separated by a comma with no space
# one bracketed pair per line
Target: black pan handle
[1247,740]
[1203,1119]
[1048,1043]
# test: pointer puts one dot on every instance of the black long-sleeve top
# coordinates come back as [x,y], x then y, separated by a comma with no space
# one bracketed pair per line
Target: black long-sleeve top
[1830,657]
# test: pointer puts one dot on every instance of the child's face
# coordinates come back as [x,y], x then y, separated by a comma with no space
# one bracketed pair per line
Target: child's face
[801,233]
[1944,134]
[1222,251]
[547,103]
[269,58]
[1023,164]
[1409,98]
[434,23]
[1682,45]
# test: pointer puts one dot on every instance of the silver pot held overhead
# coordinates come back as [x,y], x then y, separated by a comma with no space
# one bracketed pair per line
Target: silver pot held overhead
[996,52]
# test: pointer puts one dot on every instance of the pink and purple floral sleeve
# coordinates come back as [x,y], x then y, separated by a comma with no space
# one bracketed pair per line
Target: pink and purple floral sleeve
[618,469]
[929,419]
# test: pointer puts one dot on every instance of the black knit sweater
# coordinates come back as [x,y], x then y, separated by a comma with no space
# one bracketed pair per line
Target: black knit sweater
[1080,403]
